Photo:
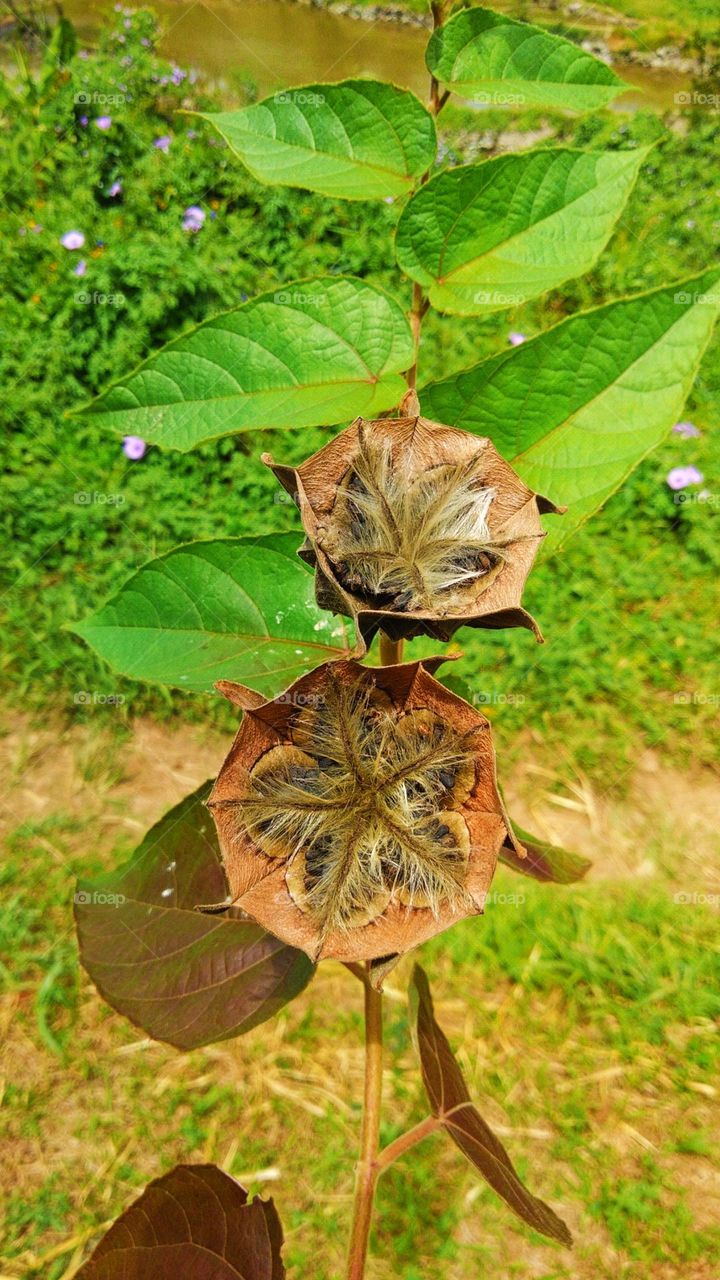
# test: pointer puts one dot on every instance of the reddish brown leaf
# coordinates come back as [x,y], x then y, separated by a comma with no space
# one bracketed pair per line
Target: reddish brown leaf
[182,976]
[450,1102]
[195,1222]
[543,861]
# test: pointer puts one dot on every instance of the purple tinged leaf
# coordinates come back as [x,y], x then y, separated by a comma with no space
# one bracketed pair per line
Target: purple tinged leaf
[184,977]
[544,861]
[195,1221]
[450,1102]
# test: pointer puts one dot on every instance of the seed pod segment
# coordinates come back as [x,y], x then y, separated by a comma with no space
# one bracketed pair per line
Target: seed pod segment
[416,528]
[358,813]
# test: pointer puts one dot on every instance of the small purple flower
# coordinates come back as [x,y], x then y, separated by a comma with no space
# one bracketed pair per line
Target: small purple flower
[163,143]
[134,448]
[72,240]
[84,122]
[681,477]
[516,339]
[687,430]
[81,268]
[104,123]
[145,42]
[84,53]
[193,218]
[115,189]
[192,133]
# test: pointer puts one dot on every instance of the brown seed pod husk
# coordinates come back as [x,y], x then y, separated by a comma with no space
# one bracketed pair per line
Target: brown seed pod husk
[358,813]
[416,528]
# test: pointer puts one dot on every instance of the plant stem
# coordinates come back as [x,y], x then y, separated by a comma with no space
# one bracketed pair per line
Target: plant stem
[391,651]
[407,1140]
[367,1170]
[420,302]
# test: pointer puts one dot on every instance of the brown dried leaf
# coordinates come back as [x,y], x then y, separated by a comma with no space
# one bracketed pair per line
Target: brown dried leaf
[195,1222]
[450,1102]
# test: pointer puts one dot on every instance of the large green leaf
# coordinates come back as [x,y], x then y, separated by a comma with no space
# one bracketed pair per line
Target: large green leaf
[359,140]
[197,1222]
[185,977]
[577,408]
[314,351]
[450,1103]
[233,608]
[489,236]
[487,56]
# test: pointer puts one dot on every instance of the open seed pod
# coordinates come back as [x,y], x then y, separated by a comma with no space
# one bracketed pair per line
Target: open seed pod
[358,813]
[416,528]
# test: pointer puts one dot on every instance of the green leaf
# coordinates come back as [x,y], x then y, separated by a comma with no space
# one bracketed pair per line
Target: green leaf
[194,1221]
[578,407]
[489,236]
[233,608]
[357,140]
[313,352]
[184,977]
[544,861]
[487,56]
[450,1102]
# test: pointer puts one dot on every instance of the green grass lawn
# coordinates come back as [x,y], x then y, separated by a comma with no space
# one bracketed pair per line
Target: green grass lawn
[585,1020]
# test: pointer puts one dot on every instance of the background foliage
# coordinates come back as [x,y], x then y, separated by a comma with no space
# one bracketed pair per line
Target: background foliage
[80,513]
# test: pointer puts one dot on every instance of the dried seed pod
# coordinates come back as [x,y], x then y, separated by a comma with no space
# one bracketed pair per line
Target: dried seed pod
[358,813]
[416,528]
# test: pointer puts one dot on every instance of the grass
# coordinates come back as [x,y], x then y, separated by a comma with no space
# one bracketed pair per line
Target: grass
[584,1020]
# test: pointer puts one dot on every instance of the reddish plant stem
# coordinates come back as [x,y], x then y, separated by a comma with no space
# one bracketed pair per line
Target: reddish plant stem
[367,1170]
[407,1140]
[420,302]
[372,1162]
